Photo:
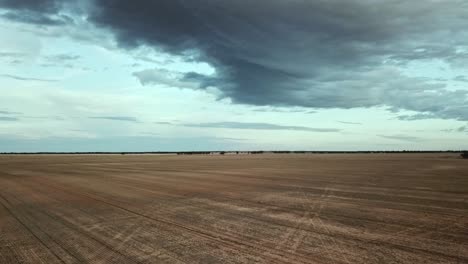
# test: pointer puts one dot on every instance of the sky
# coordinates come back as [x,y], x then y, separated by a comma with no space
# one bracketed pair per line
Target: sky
[174,75]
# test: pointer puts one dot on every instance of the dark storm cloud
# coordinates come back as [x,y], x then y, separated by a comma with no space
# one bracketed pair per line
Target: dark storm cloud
[260,126]
[321,54]
[116,118]
[22,78]
[46,6]
[38,12]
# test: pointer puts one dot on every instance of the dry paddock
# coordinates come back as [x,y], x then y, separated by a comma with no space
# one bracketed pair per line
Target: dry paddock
[271,208]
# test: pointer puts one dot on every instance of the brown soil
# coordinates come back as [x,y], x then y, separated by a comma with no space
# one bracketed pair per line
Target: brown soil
[360,208]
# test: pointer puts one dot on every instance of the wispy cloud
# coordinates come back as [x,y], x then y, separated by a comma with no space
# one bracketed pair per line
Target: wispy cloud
[232,139]
[7,118]
[461,129]
[37,18]
[12,55]
[402,138]
[164,123]
[9,113]
[116,118]
[59,118]
[461,78]
[259,126]
[21,78]
[63,57]
[62,60]
[420,116]
[150,134]
[349,123]
[283,110]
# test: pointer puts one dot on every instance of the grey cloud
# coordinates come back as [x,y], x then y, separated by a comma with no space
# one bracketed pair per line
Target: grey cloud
[132,65]
[48,6]
[6,54]
[117,118]
[62,61]
[259,126]
[319,54]
[458,111]
[37,18]
[402,137]
[462,129]
[324,54]
[13,57]
[283,110]
[349,123]
[448,53]
[21,78]
[4,112]
[461,78]
[42,12]
[58,118]
[63,57]
[420,116]
[8,118]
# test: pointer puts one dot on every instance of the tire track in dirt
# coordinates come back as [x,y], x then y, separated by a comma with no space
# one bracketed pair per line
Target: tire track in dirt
[226,232]
[126,184]
[98,256]
[229,234]
[229,242]
[290,208]
[316,216]
[4,202]
[356,240]
[400,247]
[421,232]
[95,200]
[297,232]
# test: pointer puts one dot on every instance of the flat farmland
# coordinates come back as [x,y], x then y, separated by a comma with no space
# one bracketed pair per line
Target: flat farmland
[269,208]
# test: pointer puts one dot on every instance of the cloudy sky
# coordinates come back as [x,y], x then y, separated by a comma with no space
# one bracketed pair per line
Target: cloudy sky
[167,75]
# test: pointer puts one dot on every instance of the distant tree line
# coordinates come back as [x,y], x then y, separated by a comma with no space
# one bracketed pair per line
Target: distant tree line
[464,154]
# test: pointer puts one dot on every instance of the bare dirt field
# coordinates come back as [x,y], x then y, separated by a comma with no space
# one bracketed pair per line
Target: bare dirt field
[355,208]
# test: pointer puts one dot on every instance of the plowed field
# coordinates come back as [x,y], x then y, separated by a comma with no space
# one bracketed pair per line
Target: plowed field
[271,208]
